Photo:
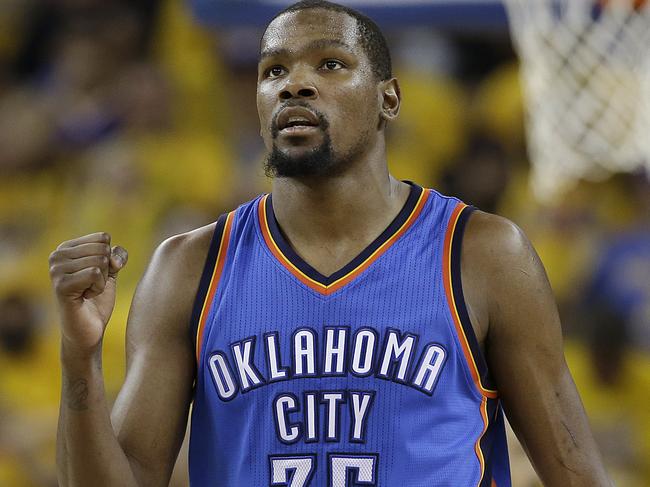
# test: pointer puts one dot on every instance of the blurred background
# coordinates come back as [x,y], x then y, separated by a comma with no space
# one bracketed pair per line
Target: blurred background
[138,118]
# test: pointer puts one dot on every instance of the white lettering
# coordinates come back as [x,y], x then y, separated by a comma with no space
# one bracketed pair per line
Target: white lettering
[364,347]
[226,387]
[332,399]
[273,354]
[332,351]
[360,404]
[430,366]
[396,351]
[304,353]
[284,404]
[247,373]
[311,418]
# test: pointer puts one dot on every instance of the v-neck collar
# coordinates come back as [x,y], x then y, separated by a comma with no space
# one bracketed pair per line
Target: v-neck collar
[309,276]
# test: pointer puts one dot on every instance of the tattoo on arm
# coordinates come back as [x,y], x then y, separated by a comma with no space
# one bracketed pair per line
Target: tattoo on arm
[76,395]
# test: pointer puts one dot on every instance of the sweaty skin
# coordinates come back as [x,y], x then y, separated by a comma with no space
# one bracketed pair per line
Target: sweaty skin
[515,319]
[137,445]
[312,56]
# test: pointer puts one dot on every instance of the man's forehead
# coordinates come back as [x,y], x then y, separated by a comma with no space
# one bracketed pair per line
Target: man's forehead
[316,27]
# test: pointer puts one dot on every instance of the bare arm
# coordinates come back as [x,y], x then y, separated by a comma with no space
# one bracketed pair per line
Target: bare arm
[514,313]
[139,444]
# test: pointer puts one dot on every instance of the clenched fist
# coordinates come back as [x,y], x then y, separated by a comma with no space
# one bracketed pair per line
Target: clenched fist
[83,273]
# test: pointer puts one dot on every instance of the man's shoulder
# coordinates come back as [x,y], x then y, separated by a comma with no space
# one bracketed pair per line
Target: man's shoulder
[493,242]
[168,287]
[184,254]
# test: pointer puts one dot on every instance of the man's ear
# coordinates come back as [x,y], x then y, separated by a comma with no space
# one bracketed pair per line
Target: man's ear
[391,99]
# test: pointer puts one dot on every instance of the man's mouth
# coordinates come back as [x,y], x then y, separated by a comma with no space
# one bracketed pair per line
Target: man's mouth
[297,121]
[298,130]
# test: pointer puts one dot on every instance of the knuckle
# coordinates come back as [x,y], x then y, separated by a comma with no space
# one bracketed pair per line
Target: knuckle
[58,282]
[105,236]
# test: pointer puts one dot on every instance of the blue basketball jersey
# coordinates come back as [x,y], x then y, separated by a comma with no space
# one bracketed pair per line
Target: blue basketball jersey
[371,376]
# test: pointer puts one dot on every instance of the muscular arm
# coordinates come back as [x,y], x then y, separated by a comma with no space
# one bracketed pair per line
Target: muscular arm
[515,317]
[137,445]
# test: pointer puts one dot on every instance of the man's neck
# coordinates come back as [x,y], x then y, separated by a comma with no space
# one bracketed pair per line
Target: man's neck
[330,220]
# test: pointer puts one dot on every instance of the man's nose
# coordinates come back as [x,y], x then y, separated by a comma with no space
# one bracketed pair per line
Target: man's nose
[298,86]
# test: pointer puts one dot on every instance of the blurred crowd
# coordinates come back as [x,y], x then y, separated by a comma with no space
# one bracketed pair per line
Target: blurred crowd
[128,117]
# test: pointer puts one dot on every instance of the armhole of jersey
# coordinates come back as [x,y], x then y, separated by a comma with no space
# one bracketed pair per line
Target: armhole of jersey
[209,279]
[454,290]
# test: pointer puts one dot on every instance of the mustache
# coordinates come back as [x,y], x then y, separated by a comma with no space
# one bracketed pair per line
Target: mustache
[324,124]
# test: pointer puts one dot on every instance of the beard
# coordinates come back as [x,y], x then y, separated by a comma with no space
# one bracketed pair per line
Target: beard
[319,162]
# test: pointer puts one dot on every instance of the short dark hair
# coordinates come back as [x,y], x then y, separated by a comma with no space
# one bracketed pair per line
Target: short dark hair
[370,36]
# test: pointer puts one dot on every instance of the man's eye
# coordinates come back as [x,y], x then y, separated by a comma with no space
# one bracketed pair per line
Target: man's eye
[332,65]
[274,71]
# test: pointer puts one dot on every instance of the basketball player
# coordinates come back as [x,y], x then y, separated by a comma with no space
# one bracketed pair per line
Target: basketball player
[346,329]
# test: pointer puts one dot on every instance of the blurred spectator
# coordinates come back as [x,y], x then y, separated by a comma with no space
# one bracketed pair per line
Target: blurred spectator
[480,175]
[498,109]
[431,129]
[29,387]
[12,23]
[18,325]
[621,280]
[614,383]
[46,21]
[613,370]
[79,84]
[26,133]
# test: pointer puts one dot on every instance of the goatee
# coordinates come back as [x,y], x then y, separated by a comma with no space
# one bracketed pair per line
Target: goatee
[318,162]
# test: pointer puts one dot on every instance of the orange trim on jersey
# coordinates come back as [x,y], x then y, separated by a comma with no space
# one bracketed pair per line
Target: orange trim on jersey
[494,483]
[342,281]
[462,338]
[477,445]
[214,282]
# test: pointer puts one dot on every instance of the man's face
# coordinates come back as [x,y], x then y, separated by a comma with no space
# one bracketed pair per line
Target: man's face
[317,96]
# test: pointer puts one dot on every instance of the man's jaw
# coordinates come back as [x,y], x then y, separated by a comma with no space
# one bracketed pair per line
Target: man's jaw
[300,160]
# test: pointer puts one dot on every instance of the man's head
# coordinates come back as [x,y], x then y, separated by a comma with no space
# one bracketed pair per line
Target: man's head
[325,89]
